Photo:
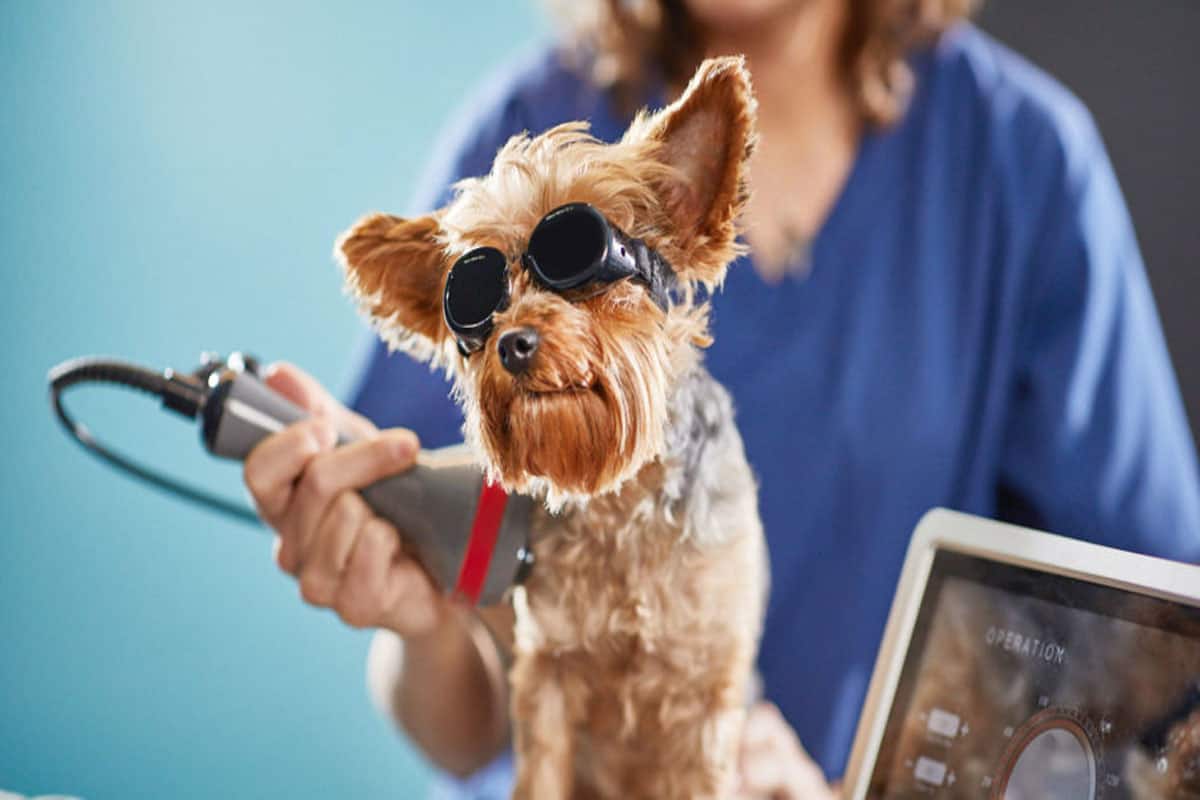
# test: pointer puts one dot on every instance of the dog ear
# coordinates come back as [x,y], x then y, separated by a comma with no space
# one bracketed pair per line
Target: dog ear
[705,138]
[396,269]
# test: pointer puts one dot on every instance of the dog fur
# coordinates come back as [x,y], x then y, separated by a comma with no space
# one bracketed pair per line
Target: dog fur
[636,632]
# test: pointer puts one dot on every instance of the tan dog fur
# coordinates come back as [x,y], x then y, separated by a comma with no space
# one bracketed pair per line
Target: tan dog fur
[636,632]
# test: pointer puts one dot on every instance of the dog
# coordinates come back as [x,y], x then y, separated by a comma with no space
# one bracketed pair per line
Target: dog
[636,632]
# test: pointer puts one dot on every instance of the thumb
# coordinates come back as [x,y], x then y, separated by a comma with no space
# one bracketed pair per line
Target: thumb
[307,392]
[301,388]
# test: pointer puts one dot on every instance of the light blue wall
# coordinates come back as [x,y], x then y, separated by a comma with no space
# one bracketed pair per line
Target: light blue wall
[172,177]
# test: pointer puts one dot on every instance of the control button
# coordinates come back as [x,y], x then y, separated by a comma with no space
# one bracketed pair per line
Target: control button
[930,771]
[1050,756]
[943,722]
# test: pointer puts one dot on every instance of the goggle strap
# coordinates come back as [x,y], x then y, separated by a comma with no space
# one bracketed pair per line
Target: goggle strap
[657,272]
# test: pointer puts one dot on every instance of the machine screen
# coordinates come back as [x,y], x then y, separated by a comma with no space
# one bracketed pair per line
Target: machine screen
[1021,684]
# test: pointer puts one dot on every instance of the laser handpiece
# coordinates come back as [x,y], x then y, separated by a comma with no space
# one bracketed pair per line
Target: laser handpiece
[470,536]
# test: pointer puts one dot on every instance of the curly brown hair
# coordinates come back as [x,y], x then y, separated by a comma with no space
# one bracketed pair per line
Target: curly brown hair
[629,45]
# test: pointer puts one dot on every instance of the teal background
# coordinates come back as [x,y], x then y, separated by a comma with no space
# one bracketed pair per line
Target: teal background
[172,177]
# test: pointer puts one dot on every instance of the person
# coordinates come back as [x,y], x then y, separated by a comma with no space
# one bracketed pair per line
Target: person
[944,305]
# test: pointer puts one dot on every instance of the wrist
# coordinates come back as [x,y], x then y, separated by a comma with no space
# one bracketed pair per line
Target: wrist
[442,640]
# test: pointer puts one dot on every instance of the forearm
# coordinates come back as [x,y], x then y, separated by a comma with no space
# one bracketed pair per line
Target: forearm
[446,690]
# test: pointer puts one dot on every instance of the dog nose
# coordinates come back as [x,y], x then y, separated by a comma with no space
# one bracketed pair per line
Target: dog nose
[516,349]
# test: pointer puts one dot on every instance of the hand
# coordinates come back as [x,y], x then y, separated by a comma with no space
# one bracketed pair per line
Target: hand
[345,557]
[772,765]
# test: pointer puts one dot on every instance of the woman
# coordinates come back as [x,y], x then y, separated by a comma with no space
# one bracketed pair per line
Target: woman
[944,305]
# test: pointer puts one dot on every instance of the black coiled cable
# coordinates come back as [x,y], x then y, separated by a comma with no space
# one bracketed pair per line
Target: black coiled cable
[183,394]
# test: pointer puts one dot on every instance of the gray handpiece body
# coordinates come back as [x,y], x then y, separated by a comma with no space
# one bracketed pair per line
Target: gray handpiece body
[432,504]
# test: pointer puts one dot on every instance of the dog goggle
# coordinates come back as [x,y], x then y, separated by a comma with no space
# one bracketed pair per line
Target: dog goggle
[573,247]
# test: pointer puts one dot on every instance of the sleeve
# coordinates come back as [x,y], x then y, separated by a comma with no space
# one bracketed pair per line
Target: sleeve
[392,389]
[1097,442]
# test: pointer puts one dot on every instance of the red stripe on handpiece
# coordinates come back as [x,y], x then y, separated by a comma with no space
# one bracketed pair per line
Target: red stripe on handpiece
[485,529]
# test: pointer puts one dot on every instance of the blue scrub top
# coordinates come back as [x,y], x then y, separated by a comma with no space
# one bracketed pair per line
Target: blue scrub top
[976,331]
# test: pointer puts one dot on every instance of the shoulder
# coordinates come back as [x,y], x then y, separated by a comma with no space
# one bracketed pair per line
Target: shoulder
[1021,120]
[1023,151]
[532,91]
[535,88]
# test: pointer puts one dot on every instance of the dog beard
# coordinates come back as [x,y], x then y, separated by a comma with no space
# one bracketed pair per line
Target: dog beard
[583,435]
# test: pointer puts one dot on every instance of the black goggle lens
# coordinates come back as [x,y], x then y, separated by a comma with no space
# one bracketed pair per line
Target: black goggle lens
[572,246]
[476,288]
[568,245]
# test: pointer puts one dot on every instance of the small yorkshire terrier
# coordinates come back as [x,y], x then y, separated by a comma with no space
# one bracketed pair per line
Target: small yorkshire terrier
[566,294]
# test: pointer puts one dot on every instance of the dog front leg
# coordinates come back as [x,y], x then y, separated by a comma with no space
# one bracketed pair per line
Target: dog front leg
[544,734]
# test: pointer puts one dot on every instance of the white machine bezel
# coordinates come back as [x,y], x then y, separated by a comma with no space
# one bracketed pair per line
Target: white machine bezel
[942,529]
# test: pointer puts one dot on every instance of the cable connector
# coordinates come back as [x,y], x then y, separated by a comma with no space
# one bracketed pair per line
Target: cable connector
[183,394]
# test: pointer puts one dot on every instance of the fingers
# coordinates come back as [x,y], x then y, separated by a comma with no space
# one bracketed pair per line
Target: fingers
[772,762]
[305,487]
[298,386]
[359,570]
[381,587]
[305,391]
[350,467]
[271,469]
[363,591]
[334,541]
